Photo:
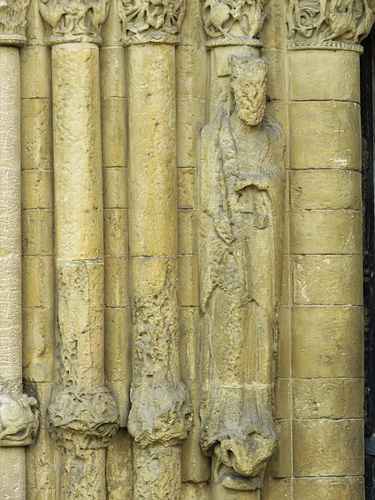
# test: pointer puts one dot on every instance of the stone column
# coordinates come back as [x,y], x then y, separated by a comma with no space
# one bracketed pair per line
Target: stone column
[160,414]
[82,415]
[18,414]
[326,248]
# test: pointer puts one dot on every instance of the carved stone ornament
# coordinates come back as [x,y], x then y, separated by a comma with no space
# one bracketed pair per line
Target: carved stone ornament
[240,247]
[19,418]
[329,23]
[83,418]
[13,22]
[233,22]
[74,20]
[157,21]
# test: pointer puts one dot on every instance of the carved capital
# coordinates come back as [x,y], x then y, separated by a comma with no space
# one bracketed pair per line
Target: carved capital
[13,22]
[151,21]
[73,21]
[83,418]
[324,24]
[19,419]
[233,22]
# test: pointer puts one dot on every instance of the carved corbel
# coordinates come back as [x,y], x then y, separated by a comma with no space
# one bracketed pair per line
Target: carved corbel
[19,418]
[322,24]
[146,21]
[233,22]
[75,21]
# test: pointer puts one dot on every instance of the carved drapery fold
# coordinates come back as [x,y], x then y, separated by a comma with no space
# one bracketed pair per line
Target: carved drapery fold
[233,22]
[75,21]
[146,21]
[336,24]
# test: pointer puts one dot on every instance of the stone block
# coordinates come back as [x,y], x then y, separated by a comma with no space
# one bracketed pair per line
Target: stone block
[326,232]
[112,72]
[334,488]
[37,189]
[327,447]
[114,131]
[328,398]
[191,116]
[325,190]
[37,281]
[117,344]
[277,82]
[187,188]
[36,126]
[327,342]
[283,362]
[333,131]
[37,227]
[36,84]
[116,281]
[324,75]
[188,281]
[187,232]
[327,279]
[116,231]
[115,184]
[190,63]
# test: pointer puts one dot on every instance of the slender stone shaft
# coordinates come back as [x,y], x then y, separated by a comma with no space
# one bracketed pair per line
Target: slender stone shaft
[10,257]
[16,410]
[160,410]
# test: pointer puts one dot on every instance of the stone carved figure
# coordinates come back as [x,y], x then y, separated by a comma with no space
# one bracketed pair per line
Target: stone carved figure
[241,224]
[330,20]
[235,22]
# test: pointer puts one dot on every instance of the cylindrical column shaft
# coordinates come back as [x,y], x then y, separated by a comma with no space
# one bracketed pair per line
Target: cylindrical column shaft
[160,407]
[12,484]
[79,210]
[326,248]
[10,219]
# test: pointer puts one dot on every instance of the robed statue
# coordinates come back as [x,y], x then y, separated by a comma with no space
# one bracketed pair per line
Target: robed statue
[240,248]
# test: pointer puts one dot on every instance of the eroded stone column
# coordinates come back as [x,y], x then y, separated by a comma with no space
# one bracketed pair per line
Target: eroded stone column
[18,412]
[82,415]
[326,247]
[160,413]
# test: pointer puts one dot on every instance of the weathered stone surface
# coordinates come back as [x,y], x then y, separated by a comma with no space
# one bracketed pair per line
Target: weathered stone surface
[241,220]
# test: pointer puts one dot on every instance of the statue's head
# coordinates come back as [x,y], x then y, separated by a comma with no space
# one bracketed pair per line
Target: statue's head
[249,86]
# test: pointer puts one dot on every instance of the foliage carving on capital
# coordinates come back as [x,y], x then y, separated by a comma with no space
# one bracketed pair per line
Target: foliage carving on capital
[74,21]
[13,22]
[233,22]
[329,23]
[156,21]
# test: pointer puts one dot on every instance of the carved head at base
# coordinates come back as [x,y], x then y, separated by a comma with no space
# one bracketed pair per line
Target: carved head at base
[19,420]
[240,464]
[248,82]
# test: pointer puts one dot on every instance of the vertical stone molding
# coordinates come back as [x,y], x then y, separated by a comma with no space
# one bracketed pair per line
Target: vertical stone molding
[160,415]
[19,417]
[326,242]
[82,415]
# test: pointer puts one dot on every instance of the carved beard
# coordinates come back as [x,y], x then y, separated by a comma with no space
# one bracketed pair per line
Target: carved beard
[251,115]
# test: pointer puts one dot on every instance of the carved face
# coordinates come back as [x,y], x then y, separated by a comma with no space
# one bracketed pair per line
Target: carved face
[249,86]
